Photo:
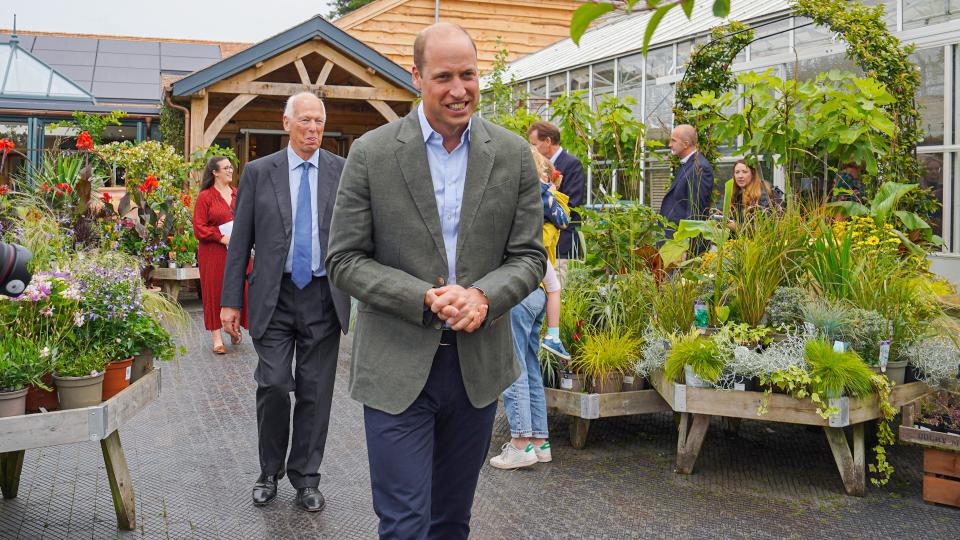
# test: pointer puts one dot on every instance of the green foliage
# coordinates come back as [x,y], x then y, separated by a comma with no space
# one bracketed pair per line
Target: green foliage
[589,12]
[149,158]
[831,318]
[672,303]
[832,263]
[572,114]
[342,7]
[837,374]
[80,363]
[94,124]
[868,329]
[883,211]
[709,70]
[507,104]
[172,127]
[785,307]
[21,363]
[832,119]
[199,158]
[616,235]
[148,334]
[702,355]
[606,351]
[882,57]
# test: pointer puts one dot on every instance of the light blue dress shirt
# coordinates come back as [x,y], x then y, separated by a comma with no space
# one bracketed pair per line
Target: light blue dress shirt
[448,170]
[295,172]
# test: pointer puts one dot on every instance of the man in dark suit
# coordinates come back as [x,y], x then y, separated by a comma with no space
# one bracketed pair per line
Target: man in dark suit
[546,138]
[284,205]
[692,188]
[437,232]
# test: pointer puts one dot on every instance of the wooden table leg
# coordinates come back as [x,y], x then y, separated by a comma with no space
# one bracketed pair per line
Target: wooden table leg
[852,465]
[121,487]
[174,290]
[578,431]
[11,464]
[691,432]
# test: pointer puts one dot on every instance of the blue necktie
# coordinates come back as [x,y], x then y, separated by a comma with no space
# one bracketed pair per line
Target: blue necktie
[302,271]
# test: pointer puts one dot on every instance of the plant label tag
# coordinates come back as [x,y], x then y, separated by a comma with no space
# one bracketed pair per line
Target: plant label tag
[628,379]
[841,346]
[739,386]
[126,374]
[566,383]
[700,317]
[809,329]
[884,355]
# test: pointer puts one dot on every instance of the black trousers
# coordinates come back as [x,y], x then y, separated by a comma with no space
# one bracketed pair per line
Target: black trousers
[425,461]
[304,323]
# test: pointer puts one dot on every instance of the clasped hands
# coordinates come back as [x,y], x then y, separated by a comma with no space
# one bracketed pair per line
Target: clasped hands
[464,310]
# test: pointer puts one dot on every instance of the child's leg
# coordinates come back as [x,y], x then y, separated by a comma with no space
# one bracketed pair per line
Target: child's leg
[553,309]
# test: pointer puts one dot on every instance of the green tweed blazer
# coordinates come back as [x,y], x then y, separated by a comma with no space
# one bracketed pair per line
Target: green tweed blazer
[386,250]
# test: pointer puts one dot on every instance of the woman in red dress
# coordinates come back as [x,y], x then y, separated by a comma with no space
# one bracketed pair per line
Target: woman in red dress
[214,207]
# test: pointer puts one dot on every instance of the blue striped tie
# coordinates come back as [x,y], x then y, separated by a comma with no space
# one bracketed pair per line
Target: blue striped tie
[302,271]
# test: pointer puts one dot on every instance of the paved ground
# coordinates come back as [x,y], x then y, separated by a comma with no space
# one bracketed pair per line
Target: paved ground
[193,459]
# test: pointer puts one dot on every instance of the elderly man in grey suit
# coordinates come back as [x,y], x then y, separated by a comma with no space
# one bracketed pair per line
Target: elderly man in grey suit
[284,205]
[437,232]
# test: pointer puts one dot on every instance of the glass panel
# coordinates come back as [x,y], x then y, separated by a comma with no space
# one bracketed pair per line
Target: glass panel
[486,104]
[580,80]
[930,93]
[889,10]
[659,111]
[125,132]
[64,138]
[26,75]
[603,77]
[61,87]
[659,62]
[773,39]
[932,165]
[631,80]
[17,132]
[920,13]
[683,55]
[811,67]
[537,102]
[4,60]
[558,84]
[808,35]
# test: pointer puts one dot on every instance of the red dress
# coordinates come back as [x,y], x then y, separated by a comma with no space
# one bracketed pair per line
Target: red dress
[209,213]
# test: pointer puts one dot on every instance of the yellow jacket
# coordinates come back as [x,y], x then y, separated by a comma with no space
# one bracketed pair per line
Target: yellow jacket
[551,234]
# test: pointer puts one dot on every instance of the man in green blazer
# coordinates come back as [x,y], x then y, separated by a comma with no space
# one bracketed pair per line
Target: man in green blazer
[437,231]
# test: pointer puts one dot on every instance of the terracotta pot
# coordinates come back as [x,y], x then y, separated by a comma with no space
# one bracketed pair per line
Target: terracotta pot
[38,397]
[142,364]
[572,382]
[608,382]
[13,403]
[632,383]
[79,392]
[117,377]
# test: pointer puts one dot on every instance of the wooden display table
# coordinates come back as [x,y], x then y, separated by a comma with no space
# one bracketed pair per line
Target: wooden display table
[582,407]
[171,279]
[697,405]
[941,460]
[97,423]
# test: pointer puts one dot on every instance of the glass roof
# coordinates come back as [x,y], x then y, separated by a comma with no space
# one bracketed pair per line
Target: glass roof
[23,75]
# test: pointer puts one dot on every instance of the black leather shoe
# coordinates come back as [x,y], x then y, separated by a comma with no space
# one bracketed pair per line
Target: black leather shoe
[310,499]
[265,490]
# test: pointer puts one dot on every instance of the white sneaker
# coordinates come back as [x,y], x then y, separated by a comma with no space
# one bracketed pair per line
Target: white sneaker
[512,458]
[543,452]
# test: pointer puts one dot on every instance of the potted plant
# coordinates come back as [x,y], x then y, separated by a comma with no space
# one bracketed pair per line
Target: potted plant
[20,365]
[694,361]
[117,373]
[605,356]
[836,373]
[78,376]
[150,340]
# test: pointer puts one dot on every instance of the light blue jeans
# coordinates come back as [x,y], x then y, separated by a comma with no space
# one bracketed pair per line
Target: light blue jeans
[524,400]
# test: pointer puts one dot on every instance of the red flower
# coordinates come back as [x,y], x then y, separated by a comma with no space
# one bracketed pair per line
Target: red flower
[149,185]
[84,141]
[556,174]
[186,199]
[44,187]
[4,190]
[576,336]
[6,145]
[105,198]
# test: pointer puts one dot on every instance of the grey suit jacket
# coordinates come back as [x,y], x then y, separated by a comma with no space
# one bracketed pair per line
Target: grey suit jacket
[386,250]
[263,219]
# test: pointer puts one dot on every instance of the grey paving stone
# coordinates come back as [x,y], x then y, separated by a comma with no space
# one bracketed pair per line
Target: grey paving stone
[193,459]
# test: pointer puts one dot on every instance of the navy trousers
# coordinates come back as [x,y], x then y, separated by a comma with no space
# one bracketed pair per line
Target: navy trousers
[425,461]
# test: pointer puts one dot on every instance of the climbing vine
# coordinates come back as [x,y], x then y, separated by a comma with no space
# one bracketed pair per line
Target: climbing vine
[709,69]
[171,127]
[882,57]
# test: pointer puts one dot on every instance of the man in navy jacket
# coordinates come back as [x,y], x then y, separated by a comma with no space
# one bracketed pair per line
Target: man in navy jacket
[692,188]
[546,138]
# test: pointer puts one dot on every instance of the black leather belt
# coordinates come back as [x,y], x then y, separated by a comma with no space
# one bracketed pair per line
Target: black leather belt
[448,337]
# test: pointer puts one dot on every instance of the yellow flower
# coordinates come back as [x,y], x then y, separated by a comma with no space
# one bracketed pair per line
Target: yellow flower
[872,241]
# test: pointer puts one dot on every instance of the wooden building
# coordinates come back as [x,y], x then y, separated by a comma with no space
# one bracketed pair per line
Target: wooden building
[524,26]
[238,102]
